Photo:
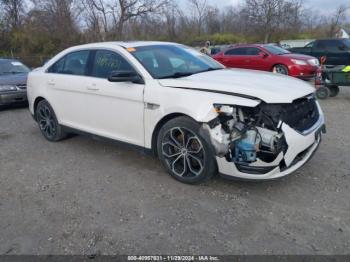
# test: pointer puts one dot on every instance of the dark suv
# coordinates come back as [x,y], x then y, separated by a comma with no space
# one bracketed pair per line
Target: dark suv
[337,51]
[13,82]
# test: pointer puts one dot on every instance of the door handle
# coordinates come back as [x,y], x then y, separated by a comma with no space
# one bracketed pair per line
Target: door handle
[51,82]
[92,87]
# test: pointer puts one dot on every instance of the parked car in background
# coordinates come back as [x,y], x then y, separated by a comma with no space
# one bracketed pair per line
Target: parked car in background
[198,117]
[287,44]
[269,58]
[336,51]
[217,49]
[13,81]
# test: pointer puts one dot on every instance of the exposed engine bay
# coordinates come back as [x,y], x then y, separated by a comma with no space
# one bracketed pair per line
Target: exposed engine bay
[245,135]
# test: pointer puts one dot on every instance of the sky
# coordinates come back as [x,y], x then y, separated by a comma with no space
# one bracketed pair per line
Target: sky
[324,6]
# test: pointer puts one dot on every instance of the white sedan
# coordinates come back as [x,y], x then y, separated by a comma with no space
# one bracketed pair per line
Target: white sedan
[198,117]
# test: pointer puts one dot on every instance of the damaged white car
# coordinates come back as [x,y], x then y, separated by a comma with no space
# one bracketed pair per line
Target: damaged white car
[197,116]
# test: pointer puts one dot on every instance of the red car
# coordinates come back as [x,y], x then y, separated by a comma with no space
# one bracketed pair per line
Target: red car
[269,58]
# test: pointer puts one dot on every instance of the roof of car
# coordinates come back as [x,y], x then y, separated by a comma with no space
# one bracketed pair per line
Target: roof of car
[128,44]
[247,45]
[242,45]
[331,39]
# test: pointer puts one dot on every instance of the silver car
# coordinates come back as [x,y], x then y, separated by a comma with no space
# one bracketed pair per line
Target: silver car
[13,82]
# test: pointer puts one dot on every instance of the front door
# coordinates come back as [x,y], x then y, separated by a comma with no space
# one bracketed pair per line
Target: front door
[116,110]
[255,59]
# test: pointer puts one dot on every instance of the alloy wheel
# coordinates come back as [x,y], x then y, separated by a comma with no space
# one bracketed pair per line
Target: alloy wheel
[183,152]
[279,69]
[46,121]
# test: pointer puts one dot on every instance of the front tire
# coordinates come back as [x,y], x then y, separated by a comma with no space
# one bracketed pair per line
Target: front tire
[185,154]
[48,124]
[280,69]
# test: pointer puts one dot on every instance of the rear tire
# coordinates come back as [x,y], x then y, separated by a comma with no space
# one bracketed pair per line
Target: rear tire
[323,93]
[333,91]
[280,69]
[183,151]
[48,124]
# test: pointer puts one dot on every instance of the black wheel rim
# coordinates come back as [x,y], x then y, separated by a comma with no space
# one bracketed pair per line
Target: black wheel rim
[46,121]
[280,70]
[183,152]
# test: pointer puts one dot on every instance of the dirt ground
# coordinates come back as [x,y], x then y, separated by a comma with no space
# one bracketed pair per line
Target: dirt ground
[83,196]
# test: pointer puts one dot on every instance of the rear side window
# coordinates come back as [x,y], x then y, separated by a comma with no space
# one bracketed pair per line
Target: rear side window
[57,67]
[106,62]
[236,51]
[334,45]
[72,64]
[310,45]
[253,51]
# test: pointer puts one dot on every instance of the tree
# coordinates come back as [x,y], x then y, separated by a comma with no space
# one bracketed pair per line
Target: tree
[13,12]
[171,20]
[337,19]
[58,18]
[125,10]
[45,27]
[199,11]
[213,21]
[114,15]
[269,16]
[96,18]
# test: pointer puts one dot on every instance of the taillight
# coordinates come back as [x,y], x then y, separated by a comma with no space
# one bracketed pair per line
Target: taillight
[318,78]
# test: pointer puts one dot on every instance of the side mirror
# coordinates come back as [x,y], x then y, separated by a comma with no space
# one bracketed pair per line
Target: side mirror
[125,76]
[263,54]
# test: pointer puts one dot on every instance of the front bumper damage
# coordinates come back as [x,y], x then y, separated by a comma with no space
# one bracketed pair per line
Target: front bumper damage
[300,147]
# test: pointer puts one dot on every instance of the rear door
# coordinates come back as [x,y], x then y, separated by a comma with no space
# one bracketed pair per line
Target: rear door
[234,57]
[336,55]
[66,84]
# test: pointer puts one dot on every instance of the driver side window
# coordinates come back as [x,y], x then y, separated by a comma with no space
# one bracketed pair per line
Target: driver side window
[236,51]
[105,62]
[310,45]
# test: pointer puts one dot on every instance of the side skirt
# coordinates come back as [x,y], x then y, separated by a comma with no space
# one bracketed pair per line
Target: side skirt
[122,144]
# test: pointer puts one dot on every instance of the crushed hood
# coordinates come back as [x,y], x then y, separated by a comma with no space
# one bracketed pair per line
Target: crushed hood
[269,87]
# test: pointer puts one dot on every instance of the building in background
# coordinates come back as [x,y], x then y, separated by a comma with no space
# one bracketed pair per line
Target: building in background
[342,33]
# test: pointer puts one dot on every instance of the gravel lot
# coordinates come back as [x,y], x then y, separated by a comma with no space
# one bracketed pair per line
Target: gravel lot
[83,196]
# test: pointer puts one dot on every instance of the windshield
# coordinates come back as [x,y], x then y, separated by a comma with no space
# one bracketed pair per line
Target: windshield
[173,61]
[276,50]
[12,67]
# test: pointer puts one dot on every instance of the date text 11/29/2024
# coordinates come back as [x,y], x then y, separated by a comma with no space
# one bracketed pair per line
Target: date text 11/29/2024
[173,258]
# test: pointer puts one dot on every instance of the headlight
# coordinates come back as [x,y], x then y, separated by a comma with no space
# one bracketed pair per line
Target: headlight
[7,88]
[298,62]
[314,62]
[223,109]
